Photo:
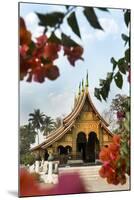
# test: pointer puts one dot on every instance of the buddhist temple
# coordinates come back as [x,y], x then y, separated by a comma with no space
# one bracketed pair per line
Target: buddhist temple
[82,133]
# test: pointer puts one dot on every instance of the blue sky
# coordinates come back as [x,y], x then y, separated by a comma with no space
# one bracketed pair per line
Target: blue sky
[55,98]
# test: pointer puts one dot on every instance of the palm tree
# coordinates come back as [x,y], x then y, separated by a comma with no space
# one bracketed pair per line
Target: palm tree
[48,125]
[37,120]
[58,122]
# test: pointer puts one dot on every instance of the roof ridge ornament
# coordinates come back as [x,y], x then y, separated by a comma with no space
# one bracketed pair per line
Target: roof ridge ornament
[87,84]
[75,100]
[82,85]
[79,88]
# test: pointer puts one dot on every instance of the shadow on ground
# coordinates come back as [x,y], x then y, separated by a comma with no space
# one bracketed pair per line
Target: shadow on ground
[13,193]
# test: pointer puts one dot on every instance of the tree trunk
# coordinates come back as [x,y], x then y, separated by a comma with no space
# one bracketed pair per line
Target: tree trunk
[38,137]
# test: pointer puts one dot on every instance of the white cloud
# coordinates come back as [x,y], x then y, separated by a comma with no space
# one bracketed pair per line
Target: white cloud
[86,34]
[31,20]
[32,25]
[110,28]
[38,31]
[60,103]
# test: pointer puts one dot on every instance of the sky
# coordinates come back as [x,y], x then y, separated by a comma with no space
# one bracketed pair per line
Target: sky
[56,98]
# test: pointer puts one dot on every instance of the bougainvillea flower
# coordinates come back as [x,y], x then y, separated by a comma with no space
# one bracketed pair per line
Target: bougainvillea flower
[41,40]
[52,71]
[120,115]
[37,57]
[39,74]
[114,148]
[25,35]
[113,166]
[23,50]
[29,186]
[104,154]
[73,54]
[51,51]
[116,139]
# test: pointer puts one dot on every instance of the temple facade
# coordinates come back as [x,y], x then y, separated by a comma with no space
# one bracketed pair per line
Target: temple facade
[81,135]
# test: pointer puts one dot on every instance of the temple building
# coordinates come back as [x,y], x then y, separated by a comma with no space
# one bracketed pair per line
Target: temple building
[82,133]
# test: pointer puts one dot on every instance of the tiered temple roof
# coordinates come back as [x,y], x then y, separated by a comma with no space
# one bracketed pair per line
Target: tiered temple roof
[68,121]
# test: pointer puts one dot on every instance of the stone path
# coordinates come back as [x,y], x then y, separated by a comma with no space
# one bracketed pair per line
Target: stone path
[93,182]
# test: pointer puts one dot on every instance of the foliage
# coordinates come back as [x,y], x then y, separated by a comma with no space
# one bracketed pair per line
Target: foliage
[109,116]
[37,57]
[118,104]
[27,159]
[114,166]
[117,111]
[27,137]
[48,125]
[58,122]
[116,157]
[121,67]
[92,18]
[37,120]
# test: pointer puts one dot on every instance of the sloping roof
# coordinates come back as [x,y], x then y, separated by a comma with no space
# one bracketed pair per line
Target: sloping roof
[69,121]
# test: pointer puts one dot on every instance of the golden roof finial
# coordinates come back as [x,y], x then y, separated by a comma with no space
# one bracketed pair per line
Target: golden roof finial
[82,85]
[75,99]
[79,88]
[87,84]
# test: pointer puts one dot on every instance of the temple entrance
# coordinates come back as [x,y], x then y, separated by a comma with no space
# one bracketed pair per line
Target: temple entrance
[93,147]
[68,149]
[81,144]
[62,150]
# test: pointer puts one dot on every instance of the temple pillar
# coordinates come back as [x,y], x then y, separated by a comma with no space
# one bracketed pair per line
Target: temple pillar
[51,176]
[74,142]
[100,135]
[37,166]
[50,172]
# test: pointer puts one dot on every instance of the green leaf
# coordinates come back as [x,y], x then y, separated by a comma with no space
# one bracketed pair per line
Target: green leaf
[45,61]
[126,125]
[31,48]
[104,92]
[128,116]
[127,17]
[53,38]
[92,18]
[51,19]
[72,21]
[67,7]
[109,76]
[102,82]
[113,61]
[97,93]
[118,79]
[125,149]
[127,55]
[125,38]
[103,9]
[122,65]
[67,41]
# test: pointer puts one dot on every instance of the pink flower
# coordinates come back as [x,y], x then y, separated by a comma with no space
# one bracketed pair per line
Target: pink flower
[69,183]
[120,115]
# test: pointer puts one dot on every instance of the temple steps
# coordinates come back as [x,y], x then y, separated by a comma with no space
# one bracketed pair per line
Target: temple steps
[93,182]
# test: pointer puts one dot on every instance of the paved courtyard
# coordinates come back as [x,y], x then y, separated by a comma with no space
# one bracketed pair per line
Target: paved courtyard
[93,182]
